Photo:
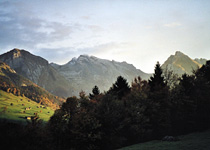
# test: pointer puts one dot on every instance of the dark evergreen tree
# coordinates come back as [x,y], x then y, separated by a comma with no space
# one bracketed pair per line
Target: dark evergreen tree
[201,96]
[183,105]
[157,80]
[95,92]
[120,88]
[159,113]
[111,115]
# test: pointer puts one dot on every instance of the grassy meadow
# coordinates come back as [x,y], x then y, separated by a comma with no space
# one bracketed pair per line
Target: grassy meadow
[194,141]
[18,108]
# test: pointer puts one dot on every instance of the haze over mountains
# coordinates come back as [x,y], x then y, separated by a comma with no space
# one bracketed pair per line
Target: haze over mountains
[84,72]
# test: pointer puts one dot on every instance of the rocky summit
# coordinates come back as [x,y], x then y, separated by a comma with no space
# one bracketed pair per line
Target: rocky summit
[181,63]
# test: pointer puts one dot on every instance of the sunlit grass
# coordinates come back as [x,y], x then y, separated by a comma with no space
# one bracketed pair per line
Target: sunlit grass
[13,108]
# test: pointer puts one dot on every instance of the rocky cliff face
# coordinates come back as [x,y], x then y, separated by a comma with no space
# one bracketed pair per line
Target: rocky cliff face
[181,63]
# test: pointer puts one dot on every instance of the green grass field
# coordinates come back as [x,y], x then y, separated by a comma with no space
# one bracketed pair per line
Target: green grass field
[194,141]
[14,108]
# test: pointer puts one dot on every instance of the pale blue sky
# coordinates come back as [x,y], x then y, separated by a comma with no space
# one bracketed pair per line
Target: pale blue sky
[140,32]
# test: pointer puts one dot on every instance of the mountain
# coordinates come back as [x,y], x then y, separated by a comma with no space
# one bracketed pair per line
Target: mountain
[37,70]
[181,63]
[81,73]
[86,71]
[12,82]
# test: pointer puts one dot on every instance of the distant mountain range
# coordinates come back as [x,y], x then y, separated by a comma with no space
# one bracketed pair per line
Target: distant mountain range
[84,72]
[81,73]
[181,63]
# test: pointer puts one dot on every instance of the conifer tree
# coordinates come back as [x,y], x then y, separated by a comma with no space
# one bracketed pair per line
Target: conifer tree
[157,80]
[95,92]
[159,105]
[120,88]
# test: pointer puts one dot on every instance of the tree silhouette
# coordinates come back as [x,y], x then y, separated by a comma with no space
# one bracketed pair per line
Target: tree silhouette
[120,88]
[159,105]
[95,92]
[157,80]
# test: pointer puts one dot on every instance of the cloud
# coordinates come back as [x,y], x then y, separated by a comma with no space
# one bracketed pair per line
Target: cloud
[173,24]
[85,17]
[20,26]
[59,55]
[95,28]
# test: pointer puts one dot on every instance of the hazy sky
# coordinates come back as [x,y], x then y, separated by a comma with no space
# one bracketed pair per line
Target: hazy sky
[140,32]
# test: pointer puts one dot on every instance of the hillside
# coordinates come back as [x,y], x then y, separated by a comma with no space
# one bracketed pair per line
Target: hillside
[12,82]
[18,108]
[181,63]
[194,141]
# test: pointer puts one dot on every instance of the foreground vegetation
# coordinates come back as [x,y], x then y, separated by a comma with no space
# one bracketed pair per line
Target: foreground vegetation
[194,141]
[122,116]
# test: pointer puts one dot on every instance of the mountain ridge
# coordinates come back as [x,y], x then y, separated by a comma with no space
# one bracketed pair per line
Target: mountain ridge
[84,72]
[181,63]
[88,71]
[81,73]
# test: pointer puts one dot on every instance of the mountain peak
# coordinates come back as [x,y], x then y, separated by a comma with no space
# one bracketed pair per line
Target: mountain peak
[181,63]
[178,53]
[16,53]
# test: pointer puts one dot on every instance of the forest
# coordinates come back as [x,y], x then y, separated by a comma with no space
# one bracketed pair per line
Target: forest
[123,115]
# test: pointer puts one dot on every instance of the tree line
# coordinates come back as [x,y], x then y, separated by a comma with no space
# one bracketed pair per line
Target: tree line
[126,115]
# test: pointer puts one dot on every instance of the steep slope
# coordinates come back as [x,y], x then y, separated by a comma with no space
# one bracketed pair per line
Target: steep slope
[37,70]
[181,63]
[85,72]
[12,82]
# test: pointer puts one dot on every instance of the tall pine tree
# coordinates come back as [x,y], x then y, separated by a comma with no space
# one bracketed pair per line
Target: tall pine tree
[159,105]
[95,92]
[157,80]
[120,88]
